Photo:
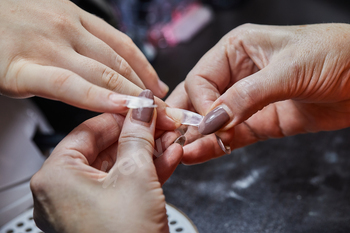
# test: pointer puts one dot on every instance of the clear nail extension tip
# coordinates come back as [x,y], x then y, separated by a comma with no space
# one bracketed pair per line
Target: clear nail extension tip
[184,117]
[138,102]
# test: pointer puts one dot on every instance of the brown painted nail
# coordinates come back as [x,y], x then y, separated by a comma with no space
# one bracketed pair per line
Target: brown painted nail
[213,121]
[144,114]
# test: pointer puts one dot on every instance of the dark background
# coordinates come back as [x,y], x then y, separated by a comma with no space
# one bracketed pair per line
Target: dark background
[295,184]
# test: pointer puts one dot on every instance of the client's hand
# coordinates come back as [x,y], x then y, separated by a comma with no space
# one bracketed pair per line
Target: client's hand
[54,49]
[102,178]
[263,82]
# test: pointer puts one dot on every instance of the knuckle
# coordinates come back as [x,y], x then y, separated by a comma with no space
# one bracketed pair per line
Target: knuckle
[111,79]
[89,94]
[60,21]
[11,84]
[63,22]
[246,26]
[149,72]
[38,183]
[240,33]
[128,41]
[146,142]
[60,82]
[123,67]
[246,95]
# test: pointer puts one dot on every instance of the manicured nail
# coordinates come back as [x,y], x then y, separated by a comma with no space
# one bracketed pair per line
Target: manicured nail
[226,149]
[213,121]
[163,87]
[144,114]
[180,140]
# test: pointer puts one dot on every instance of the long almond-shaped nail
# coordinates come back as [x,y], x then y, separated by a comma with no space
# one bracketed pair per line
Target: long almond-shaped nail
[213,121]
[144,114]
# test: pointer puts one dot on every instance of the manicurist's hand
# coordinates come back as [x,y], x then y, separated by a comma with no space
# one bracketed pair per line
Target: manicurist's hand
[102,177]
[54,49]
[263,82]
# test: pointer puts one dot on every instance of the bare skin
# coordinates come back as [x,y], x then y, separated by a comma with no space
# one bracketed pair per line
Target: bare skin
[273,82]
[75,192]
[54,49]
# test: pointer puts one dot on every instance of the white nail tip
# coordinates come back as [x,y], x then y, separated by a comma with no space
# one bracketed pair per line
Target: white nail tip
[184,117]
[138,102]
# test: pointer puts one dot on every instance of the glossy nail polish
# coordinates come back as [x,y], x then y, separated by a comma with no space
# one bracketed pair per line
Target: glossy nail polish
[144,114]
[226,149]
[213,121]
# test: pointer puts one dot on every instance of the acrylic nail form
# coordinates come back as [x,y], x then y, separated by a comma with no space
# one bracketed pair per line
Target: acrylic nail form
[184,117]
[138,102]
[194,119]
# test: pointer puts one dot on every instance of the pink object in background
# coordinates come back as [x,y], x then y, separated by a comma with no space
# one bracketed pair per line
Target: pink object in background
[183,27]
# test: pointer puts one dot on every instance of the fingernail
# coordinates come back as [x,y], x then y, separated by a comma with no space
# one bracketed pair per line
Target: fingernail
[144,114]
[226,149]
[213,121]
[174,113]
[180,140]
[163,87]
[115,97]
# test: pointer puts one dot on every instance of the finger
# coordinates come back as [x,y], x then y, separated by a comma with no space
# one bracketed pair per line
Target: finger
[124,46]
[167,163]
[165,140]
[107,158]
[179,98]
[117,83]
[92,137]
[223,65]
[192,134]
[98,50]
[66,86]
[100,74]
[136,143]
[208,79]
[246,97]
[201,150]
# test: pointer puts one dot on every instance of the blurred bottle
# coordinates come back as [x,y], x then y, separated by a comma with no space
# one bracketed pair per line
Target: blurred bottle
[156,23]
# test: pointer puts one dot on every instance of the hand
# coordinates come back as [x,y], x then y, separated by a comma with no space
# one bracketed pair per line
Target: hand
[269,82]
[54,49]
[74,193]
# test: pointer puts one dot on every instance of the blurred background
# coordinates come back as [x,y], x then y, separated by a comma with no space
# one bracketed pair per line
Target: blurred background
[295,184]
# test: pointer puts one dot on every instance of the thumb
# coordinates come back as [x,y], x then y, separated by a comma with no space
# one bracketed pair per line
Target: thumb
[135,147]
[246,97]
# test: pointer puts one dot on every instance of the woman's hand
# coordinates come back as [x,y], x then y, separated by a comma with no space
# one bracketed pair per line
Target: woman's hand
[54,49]
[263,82]
[102,178]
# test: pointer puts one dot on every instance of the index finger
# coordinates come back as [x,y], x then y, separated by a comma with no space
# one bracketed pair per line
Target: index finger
[227,62]
[125,47]
[208,79]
